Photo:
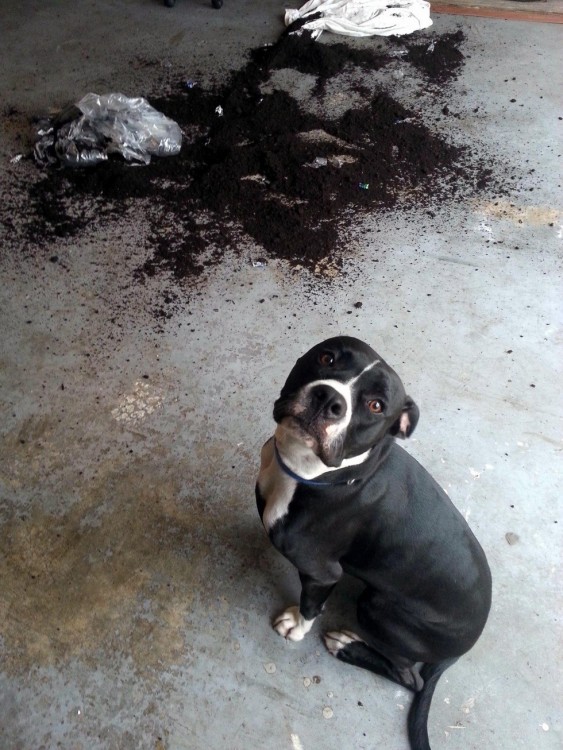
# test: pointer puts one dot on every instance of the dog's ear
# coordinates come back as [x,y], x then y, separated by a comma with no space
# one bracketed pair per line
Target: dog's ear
[404,426]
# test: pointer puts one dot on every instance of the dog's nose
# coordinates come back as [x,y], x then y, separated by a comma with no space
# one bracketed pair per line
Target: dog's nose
[328,401]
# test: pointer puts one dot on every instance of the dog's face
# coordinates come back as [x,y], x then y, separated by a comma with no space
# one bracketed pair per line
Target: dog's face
[341,399]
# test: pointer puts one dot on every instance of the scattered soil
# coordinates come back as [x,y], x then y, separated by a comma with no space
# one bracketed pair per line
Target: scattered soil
[440,59]
[293,182]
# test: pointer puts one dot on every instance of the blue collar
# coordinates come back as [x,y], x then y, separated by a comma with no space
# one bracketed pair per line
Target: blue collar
[312,482]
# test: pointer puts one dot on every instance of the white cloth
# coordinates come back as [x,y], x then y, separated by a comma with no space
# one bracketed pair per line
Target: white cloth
[363,17]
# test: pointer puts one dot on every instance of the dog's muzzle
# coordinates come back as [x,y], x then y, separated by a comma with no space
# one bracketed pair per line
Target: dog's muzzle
[326,403]
[320,412]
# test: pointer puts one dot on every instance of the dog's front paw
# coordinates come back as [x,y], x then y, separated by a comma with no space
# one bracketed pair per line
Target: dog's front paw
[336,640]
[292,625]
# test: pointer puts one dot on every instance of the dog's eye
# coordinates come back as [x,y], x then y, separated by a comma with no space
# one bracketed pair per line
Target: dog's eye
[375,406]
[326,358]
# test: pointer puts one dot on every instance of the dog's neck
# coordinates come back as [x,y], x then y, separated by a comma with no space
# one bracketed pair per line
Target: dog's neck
[301,459]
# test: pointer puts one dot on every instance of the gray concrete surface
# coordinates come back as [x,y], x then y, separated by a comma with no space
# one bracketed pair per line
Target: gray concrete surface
[136,584]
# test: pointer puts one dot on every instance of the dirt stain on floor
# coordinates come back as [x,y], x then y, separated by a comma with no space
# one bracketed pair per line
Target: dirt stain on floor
[115,576]
[519,214]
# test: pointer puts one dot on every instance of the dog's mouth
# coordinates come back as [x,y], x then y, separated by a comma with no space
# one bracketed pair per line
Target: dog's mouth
[300,431]
[316,438]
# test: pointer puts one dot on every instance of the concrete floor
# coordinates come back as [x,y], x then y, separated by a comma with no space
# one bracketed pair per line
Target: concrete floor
[136,584]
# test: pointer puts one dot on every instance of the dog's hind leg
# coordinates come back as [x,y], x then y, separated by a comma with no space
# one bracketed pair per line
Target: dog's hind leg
[350,648]
[416,676]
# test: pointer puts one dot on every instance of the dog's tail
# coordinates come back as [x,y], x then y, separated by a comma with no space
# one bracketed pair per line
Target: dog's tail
[420,707]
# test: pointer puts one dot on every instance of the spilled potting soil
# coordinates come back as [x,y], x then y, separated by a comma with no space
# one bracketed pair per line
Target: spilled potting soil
[257,165]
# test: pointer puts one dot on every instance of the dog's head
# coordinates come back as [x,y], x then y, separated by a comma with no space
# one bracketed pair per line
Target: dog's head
[341,399]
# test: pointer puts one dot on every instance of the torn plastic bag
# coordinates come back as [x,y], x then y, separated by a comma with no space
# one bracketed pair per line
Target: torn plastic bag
[362,17]
[107,124]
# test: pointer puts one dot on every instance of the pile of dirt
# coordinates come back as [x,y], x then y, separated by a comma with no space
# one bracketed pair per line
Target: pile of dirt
[439,59]
[261,167]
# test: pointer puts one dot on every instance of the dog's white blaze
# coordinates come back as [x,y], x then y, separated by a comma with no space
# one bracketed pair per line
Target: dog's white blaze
[345,390]
[368,367]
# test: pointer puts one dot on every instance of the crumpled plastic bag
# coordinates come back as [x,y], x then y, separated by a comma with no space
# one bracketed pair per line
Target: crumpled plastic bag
[363,17]
[107,124]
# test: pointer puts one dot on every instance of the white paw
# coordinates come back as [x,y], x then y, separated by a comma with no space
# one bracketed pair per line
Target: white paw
[291,624]
[337,639]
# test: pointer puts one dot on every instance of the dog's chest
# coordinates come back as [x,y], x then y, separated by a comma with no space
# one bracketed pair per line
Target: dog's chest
[276,488]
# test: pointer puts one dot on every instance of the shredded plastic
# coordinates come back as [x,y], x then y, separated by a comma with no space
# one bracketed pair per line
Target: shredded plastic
[107,124]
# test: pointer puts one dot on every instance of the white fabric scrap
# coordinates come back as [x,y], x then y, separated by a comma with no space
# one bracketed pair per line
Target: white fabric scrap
[363,17]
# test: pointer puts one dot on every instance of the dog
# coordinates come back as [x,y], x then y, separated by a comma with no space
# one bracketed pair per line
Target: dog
[337,494]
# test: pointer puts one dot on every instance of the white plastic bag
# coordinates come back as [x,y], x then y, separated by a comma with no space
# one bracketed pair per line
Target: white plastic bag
[363,17]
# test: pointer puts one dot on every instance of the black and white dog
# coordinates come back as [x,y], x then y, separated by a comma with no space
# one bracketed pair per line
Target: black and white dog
[337,494]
